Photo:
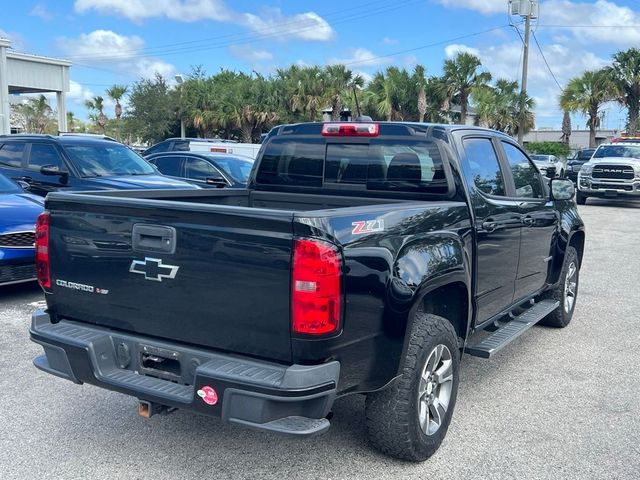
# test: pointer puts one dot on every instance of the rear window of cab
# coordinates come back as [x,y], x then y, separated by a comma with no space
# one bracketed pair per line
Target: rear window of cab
[382,164]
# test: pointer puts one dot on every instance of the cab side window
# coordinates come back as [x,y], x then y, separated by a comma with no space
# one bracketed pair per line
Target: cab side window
[44,154]
[484,166]
[525,176]
[198,169]
[11,154]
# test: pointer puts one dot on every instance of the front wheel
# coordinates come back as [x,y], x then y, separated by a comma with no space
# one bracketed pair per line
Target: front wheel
[410,419]
[566,291]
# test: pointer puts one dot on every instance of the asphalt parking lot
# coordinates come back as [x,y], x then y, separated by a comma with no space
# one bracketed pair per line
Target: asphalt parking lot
[554,404]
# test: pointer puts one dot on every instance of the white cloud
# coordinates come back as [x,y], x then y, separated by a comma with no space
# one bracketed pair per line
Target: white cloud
[250,54]
[138,10]
[271,22]
[78,93]
[361,57]
[486,7]
[585,18]
[304,26]
[40,10]
[390,41]
[107,49]
[455,48]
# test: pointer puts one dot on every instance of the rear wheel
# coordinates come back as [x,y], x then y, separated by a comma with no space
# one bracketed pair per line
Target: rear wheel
[410,419]
[566,292]
[581,199]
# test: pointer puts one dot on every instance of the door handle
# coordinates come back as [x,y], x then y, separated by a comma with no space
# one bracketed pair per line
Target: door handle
[528,221]
[26,179]
[154,238]
[489,226]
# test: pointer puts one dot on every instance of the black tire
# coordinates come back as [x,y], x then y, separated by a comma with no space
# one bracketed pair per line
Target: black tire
[561,316]
[581,199]
[392,415]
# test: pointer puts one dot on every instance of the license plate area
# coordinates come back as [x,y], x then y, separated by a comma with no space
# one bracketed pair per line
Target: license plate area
[160,363]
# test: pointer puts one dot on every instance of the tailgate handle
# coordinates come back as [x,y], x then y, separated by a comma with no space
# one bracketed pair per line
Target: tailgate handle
[154,238]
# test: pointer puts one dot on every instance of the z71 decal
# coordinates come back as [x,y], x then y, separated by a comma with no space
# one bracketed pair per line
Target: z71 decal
[367,226]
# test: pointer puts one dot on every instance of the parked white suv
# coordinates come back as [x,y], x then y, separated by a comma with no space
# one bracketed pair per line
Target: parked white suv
[613,171]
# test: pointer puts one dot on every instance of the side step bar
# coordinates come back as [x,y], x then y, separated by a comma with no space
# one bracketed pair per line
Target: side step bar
[503,336]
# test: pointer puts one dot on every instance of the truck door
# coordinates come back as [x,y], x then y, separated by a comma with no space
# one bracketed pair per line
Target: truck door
[539,221]
[497,226]
[41,155]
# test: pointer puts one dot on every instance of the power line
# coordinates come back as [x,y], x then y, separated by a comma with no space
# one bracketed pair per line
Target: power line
[173,49]
[429,45]
[545,61]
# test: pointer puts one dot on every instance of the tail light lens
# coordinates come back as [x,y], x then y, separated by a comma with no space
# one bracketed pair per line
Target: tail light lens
[316,295]
[42,251]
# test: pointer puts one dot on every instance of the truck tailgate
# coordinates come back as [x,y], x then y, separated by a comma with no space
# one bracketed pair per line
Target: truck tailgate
[206,275]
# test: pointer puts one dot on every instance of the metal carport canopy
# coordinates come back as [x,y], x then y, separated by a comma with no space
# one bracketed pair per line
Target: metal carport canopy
[23,73]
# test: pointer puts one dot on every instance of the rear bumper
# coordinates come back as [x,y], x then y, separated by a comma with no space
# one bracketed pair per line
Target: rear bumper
[286,399]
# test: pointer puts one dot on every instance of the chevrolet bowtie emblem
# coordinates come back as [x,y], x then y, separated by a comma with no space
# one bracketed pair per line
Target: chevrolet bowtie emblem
[153,269]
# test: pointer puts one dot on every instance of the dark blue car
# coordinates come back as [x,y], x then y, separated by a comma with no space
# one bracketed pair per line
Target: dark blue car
[18,213]
[49,163]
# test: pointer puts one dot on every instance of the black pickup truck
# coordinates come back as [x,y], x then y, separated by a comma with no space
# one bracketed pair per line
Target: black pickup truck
[362,258]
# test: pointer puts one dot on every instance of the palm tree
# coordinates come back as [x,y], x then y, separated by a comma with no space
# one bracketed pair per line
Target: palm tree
[391,94]
[70,121]
[37,113]
[625,76]
[96,105]
[420,79]
[501,107]
[308,93]
[115,93]
[462,77]
[586,94]
[339,81]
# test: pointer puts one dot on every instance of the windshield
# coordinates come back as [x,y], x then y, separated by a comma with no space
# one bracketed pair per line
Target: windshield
[624,151]
[584,155]
[7,186]
[238,168]
[107,160]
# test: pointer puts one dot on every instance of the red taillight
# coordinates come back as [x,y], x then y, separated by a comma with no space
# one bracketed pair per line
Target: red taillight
[218,150]
[350,129]
[316,287]
[42,250]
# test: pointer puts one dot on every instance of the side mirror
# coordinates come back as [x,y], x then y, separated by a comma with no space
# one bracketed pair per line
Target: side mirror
[218,182]
[54,170]
[562,189]
[23,185]
[551,172]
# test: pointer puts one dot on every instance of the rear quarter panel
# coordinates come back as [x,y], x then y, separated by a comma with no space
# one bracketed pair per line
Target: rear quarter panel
[421,247]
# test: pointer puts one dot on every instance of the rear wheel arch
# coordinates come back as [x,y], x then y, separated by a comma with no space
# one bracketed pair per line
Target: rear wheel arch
[577,241]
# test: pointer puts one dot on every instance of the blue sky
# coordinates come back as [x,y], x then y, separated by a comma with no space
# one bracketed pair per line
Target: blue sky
[120,41]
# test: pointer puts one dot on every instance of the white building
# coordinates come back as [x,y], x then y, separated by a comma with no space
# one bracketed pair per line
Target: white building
[578,139]
[23,73]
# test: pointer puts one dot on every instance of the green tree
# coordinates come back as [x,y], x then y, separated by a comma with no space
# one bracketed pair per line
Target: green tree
[391,95]
[559,149]
[96,107]
[586,94]
[339,82]
[37,115]
[461,76]
[151,110]
[116,93]
[500,107]
[625,76]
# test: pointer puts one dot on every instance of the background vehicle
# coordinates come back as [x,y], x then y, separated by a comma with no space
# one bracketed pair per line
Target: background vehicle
[72,162]
[205,145]
[545,161]
[204,169]
[18,213]
[613,171]
[177,144]
[362,258]
[574,164]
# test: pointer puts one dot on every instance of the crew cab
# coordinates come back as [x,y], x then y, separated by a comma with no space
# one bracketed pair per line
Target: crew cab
[612,172]
[362,258]
[49,163]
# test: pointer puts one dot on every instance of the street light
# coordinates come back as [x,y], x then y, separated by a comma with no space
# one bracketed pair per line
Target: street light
[180,79]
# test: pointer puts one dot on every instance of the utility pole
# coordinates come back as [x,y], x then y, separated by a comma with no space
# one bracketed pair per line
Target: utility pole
[525,68]
[527,9]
